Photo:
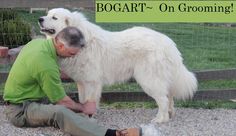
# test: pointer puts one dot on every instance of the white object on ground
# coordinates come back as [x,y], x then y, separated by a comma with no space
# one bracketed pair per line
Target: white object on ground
[150,130]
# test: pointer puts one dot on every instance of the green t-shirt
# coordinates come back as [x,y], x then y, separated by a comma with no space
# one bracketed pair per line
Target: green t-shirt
[35,74]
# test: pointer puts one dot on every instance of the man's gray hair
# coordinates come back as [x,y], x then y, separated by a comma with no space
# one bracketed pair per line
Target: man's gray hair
[71,36]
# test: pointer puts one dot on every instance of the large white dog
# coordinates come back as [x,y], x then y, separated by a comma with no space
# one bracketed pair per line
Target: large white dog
[109,57]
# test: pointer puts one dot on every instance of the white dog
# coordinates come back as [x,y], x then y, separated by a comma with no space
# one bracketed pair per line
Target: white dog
[109,57]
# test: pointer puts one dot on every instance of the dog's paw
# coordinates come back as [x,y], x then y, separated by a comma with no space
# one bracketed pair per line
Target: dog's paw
[171,114]
[160,119]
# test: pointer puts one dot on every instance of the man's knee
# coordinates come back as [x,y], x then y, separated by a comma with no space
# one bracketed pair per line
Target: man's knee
[18,121]
[15,115]
[59,109]
[59,116]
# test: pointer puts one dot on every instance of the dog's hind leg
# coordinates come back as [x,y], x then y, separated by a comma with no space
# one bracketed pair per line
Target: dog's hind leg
[171,105]
[163,115]
[157,89]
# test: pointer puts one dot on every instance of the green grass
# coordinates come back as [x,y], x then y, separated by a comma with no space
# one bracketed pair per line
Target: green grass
[123,87]
[202,47]
[129,105]
[69,87]
[185,104]
[207,104]
[217,84]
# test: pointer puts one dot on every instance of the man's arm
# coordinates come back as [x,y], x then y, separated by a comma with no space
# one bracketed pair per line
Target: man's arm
[50,83]
[70,104]
[88,108]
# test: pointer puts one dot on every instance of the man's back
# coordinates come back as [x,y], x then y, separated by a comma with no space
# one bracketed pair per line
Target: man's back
[35,65]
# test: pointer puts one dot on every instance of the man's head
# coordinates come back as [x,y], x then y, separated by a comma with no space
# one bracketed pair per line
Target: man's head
[68,42]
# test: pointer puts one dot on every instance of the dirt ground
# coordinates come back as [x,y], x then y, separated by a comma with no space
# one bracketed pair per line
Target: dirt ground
[187,122]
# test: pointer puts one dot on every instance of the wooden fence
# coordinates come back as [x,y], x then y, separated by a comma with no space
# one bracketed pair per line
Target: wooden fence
[209,94]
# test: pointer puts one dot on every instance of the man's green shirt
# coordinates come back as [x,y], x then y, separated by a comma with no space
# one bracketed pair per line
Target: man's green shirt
[35,74]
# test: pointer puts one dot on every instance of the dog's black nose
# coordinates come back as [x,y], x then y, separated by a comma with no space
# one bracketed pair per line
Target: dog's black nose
[41,20]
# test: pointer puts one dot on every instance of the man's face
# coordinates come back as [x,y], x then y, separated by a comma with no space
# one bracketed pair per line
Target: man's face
[69,51]
[65,51]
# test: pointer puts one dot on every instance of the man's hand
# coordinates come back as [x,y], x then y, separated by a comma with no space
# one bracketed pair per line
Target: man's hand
[69,103]
[89,108]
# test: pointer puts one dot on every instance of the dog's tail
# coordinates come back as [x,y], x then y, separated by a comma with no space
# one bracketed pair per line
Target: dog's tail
[184,85]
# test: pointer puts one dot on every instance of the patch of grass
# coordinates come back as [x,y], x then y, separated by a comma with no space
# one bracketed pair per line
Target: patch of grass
[206,104]
[184,104]
[129,105]
[70,87]
[217,84]
[202,47]
[122,87]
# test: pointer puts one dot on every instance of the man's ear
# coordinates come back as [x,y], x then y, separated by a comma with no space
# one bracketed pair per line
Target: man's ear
[59,44]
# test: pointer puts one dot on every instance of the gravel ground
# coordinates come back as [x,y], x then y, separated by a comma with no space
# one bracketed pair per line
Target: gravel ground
[187,122]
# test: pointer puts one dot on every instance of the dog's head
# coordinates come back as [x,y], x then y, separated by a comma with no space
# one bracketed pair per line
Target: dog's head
[54,22]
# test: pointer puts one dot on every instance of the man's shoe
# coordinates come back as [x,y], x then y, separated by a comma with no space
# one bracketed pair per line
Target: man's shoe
[130,132]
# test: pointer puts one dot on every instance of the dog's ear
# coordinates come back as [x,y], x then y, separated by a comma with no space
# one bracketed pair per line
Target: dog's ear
[67,21]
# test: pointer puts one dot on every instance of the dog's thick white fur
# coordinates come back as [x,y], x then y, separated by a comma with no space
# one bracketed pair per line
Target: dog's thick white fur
[109,57]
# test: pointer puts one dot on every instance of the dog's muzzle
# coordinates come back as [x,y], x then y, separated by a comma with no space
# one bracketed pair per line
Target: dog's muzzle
[50,31]
[43,29]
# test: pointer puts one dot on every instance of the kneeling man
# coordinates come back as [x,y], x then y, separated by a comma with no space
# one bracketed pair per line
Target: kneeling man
[35,76]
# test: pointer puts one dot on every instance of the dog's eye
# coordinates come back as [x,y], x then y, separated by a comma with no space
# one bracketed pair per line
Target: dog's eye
[54,18]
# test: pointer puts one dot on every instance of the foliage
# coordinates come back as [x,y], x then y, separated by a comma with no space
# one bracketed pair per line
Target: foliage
[14,31]
[32,18]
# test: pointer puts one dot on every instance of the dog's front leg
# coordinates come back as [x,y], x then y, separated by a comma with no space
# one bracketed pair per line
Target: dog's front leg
[89,94]
[81,92]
